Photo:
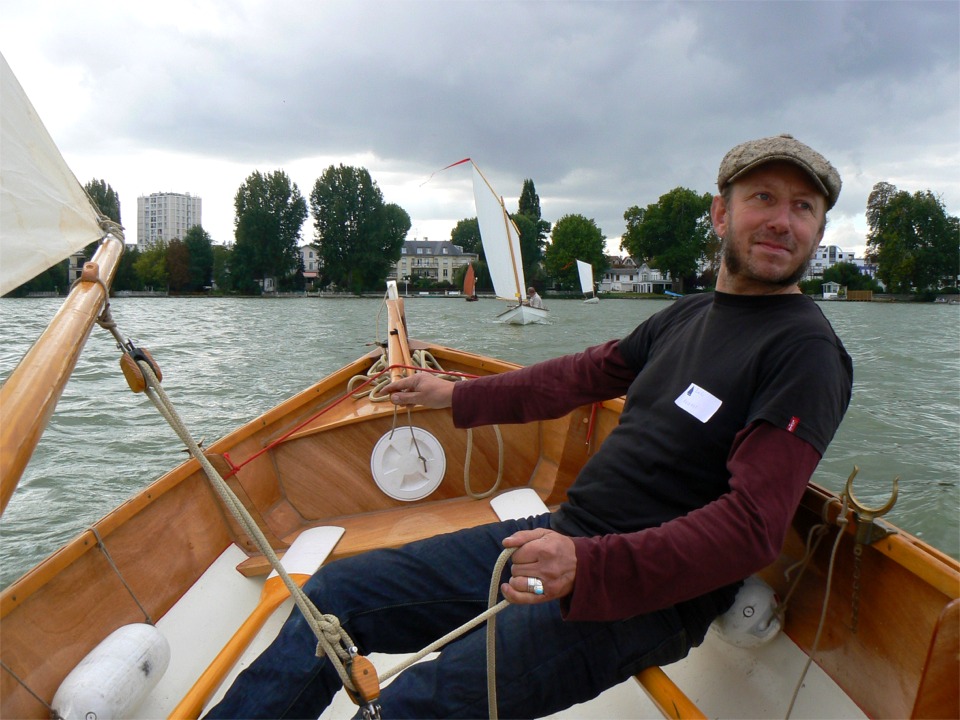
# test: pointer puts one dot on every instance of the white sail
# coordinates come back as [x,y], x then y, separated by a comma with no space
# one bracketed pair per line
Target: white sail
[586,277]
[501,241]
[45,215]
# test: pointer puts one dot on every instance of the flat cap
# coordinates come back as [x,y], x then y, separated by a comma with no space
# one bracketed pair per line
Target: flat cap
[749,155]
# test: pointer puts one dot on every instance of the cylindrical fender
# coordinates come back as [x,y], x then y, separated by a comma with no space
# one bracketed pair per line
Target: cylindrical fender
[116,676]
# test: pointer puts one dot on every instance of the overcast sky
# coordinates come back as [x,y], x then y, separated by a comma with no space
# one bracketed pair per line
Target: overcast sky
[604,105]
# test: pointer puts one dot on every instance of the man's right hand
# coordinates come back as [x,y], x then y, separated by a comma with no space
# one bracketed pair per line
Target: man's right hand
[420,389]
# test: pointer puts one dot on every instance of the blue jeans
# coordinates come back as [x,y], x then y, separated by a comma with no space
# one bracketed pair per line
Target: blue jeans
[399,601]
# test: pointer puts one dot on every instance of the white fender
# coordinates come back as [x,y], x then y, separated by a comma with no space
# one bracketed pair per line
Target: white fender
[753,619]
[116,676]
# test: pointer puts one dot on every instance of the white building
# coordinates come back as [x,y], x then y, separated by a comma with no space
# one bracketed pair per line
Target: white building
[311,261]
[624,275]
[436,260]
[165,216]
[827,256]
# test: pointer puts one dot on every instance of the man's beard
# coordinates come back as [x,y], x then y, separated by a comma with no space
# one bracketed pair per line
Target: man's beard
[736,266]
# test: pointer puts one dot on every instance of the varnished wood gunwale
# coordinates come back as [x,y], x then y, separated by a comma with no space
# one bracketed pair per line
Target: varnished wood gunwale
[897,594]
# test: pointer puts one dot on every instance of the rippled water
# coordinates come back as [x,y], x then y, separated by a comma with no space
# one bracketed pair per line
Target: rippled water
[226,360]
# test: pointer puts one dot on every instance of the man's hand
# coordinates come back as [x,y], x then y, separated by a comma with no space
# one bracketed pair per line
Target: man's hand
[542,555]
[420,389]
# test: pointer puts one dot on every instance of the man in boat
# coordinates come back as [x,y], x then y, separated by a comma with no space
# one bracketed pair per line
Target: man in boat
[731,400]
[534,300]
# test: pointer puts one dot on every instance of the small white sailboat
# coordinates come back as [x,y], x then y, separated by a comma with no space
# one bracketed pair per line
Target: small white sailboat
[501,246]
[586,282]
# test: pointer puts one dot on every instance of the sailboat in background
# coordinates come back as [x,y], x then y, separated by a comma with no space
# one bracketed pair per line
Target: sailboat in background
[501,246]
[586,282]
[470,284]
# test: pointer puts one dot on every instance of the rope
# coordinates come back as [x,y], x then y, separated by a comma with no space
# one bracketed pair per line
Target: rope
[466,466]
[54,715]
[331,638]
[116,570]
[842,521]
[492,634]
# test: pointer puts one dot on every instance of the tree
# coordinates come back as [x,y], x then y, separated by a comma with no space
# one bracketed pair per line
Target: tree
[105,198]
[529,203]
[912,239]
[357,236]
[151,266]
[533,231]
[672,235]
[199,246]
[126,277]
[574,238]
[848,275]
[222,279]
[270,215]
[178,266]
[466,234]
[108,203]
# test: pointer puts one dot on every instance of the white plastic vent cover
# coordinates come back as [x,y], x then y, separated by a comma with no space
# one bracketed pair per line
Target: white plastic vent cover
[409,465]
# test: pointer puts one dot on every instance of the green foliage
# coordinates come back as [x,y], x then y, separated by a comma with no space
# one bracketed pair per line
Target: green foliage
[221,267]
[849,276]
[813,286]
[126,277]
[151,266]
[466,234]
[199,247]
[673,234]
[529,203]
[178,266]
[915,244]
[270,212]
[531,246]
[105,198]
[574,238]
[357,236]
[533,233]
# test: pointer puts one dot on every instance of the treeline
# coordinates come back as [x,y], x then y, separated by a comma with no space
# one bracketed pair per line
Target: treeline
[358,238]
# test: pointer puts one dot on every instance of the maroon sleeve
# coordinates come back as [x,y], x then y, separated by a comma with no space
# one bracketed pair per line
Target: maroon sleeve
[543,391]
[727,540]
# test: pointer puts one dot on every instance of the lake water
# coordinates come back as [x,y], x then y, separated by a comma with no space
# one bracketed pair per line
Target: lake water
[227,360]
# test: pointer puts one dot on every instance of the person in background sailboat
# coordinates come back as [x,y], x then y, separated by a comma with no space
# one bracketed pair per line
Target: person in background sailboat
[534,300]
[731,400]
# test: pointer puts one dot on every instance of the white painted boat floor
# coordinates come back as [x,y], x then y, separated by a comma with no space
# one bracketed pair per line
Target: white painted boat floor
[722,680]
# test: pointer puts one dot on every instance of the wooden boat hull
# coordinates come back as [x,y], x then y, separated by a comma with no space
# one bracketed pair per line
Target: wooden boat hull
[306,463]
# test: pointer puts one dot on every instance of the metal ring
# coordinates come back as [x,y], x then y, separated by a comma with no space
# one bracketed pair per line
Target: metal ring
[535,585]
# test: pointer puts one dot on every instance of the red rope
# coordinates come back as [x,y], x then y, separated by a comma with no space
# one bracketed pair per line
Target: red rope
[234,468]
[593,417]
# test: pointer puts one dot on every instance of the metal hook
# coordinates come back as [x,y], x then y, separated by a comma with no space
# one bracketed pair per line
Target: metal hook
[867,532]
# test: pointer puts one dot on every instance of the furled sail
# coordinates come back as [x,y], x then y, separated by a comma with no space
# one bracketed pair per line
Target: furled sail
[45,215]
[501,240]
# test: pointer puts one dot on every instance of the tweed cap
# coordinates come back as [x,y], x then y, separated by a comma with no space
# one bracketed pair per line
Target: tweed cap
[749,155]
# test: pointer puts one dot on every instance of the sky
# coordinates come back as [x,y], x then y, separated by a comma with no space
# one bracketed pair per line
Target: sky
[604,105]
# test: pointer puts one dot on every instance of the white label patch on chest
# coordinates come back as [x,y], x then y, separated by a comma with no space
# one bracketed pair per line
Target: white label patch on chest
[698,402]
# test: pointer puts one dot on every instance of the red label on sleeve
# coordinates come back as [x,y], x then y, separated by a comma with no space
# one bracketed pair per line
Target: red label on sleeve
[792,425]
